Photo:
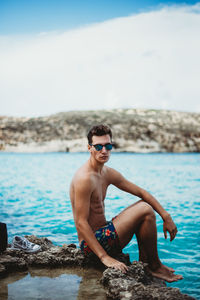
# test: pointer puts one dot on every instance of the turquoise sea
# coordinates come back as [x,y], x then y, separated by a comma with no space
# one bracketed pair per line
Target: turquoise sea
[34,199]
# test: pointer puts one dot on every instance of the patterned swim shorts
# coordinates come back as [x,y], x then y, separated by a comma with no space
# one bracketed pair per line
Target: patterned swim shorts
[108,238]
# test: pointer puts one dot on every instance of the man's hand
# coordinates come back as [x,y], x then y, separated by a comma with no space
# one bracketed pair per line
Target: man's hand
[168,225]
[110,262]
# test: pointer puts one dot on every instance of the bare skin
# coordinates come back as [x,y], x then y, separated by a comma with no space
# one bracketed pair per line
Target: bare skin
[87,193]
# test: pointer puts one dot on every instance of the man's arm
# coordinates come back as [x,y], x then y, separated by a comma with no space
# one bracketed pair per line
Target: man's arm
[83,192]
[122,183]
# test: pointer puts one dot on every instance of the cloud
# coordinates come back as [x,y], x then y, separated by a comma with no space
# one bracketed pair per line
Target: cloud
[148,60]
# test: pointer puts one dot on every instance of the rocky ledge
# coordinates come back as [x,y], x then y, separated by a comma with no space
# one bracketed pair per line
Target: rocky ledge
[134,130]
[137,283]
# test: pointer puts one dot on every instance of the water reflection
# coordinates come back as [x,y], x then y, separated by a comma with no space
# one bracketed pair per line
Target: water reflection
[62,283]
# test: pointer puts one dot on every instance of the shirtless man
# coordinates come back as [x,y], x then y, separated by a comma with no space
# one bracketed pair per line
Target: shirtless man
[88,191]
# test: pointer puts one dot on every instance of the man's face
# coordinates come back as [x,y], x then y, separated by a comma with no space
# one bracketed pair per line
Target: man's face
[103,155]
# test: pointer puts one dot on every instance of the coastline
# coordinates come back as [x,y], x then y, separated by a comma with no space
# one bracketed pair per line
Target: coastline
[134,130]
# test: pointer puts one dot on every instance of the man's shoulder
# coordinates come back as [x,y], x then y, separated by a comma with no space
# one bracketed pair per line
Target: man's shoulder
[83,176]
[113,175]
[110,170]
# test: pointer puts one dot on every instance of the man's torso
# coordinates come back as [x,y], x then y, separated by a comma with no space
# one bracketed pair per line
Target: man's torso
[100,184]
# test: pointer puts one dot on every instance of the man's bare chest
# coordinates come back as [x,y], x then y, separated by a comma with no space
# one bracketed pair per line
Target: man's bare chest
[99,193]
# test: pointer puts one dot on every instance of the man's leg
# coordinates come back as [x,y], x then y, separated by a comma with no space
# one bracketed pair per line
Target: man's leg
[140,219]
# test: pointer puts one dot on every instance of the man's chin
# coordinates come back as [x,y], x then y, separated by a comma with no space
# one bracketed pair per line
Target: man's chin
[104,158]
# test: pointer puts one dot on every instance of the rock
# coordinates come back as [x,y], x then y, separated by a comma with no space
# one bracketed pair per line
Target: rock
[49,256]
[137,283]
[134,130]
[2,270]
[10,263]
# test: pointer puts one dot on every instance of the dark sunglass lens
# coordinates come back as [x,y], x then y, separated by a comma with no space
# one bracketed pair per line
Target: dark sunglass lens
[108,146]
[98,147]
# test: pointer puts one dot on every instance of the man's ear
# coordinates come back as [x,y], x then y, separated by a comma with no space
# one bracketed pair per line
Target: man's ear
[89,148]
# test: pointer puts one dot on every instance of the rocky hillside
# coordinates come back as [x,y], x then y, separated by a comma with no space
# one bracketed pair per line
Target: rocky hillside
[134,130]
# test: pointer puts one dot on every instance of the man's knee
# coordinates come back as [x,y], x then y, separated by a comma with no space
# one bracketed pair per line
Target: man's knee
[147,209]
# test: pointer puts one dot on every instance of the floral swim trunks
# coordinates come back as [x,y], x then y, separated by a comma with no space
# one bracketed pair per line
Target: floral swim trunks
[107,237]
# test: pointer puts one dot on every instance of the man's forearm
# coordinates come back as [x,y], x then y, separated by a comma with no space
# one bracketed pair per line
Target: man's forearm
[147,197]
[133,189]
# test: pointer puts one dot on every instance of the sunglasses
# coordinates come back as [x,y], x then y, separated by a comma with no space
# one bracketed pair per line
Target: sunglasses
[99,147]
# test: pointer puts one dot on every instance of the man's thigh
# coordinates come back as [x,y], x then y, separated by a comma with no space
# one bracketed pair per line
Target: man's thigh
[127,222]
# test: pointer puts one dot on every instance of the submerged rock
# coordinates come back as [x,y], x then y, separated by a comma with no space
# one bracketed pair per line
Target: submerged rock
[137,283]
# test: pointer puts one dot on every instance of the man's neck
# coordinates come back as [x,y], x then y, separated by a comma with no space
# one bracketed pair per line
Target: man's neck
[95,165]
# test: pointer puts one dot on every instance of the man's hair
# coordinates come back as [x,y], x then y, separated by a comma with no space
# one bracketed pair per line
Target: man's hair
[98,130]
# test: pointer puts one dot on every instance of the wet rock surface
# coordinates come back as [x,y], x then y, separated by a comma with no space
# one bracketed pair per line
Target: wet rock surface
[134,130]
[137,283]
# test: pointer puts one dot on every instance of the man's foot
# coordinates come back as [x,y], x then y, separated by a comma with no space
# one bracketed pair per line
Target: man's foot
[165,273]
[170,269]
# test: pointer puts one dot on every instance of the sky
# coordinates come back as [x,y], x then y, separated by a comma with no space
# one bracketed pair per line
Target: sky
[84,55]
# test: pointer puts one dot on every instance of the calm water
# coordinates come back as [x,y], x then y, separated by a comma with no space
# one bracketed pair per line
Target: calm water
[34,200]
